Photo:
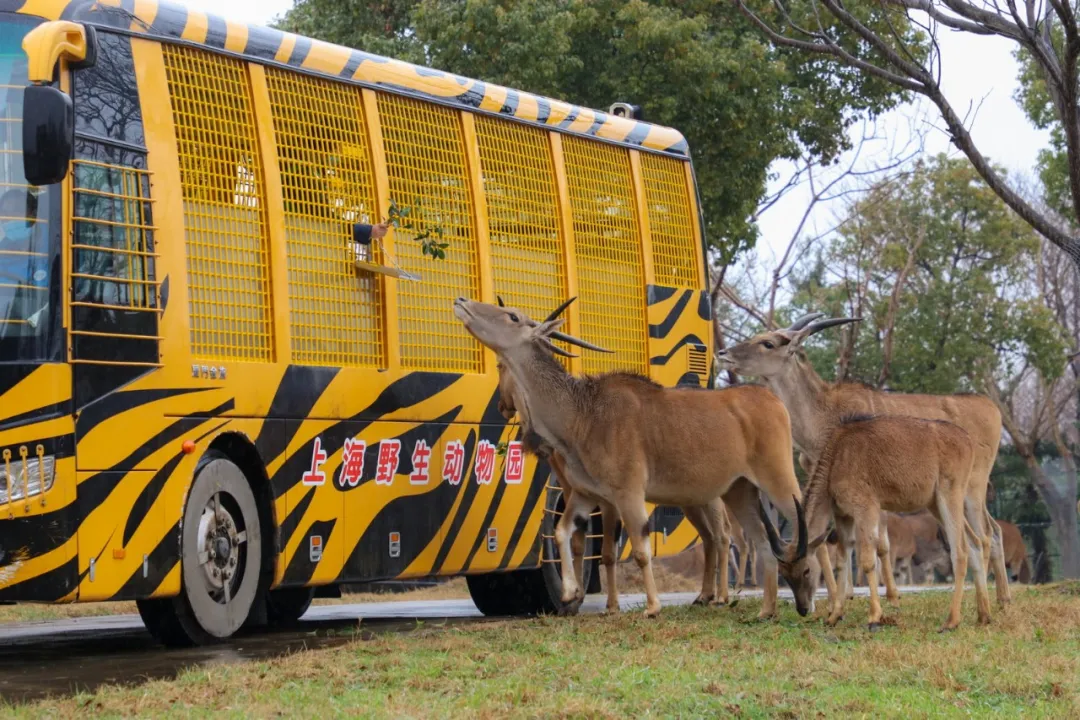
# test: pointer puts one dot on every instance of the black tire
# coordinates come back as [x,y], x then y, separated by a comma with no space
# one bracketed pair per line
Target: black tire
[221,556]
[536,591]
[286,606]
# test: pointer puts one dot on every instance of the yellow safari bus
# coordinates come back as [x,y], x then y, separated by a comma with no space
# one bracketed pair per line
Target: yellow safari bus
[215,400]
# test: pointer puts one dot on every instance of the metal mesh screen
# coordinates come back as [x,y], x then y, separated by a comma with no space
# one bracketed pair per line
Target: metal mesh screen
[224,206]
[675,251]
[607,239]
[425,160]
[324,157]
[527,253]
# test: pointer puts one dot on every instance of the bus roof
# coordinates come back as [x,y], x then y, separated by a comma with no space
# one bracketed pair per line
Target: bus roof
[175,22]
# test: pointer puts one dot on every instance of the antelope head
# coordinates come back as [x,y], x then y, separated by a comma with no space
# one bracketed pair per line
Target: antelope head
[766,355]
[793,558]
[505,329]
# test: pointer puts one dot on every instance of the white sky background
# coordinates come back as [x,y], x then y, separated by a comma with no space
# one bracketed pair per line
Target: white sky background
[977,71]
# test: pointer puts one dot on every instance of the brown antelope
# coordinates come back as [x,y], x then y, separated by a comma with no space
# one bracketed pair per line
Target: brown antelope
[623,438]
[894,463]
[1016,557]
[711,521]
[817,406]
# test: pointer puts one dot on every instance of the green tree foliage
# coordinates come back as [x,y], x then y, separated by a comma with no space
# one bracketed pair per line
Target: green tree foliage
[691,64]
[956,268]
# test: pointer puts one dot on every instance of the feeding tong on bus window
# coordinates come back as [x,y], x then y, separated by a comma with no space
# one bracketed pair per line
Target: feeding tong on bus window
[363,236]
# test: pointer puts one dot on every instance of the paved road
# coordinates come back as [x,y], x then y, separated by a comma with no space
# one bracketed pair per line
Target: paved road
[64,656]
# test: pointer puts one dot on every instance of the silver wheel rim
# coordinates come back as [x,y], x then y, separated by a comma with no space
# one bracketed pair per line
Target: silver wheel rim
[222,551]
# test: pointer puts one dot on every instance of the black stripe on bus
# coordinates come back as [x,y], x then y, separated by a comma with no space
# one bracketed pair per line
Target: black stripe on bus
[661,330]
[159,563]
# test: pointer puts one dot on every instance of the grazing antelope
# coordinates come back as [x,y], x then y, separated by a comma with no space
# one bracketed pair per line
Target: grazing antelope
[894,463]
[711,521]
[817,406]
[1016,557]
[623,438]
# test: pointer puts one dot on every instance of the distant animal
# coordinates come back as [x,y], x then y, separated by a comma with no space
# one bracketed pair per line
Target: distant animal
[1016,555]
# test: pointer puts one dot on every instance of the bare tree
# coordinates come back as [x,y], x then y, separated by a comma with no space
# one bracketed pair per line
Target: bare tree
[756,293]
[1032,25]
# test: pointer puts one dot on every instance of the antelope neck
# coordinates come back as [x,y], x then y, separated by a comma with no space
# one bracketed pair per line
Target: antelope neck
[545,389]
[803,393]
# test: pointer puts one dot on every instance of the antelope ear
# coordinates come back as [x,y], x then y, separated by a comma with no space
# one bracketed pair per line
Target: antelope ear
[816,542]
[549,326]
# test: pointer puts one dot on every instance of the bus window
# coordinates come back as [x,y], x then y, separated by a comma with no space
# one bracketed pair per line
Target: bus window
[26,248]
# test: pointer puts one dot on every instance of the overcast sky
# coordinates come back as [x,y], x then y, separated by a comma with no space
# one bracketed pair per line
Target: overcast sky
[978,71]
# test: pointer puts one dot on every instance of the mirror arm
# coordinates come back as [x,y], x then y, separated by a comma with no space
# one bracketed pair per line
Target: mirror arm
[51,42]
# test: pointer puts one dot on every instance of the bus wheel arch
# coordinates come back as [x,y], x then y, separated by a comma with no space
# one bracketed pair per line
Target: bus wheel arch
[225,538]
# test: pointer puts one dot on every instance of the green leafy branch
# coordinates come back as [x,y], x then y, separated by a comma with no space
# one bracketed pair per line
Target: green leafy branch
[430,238]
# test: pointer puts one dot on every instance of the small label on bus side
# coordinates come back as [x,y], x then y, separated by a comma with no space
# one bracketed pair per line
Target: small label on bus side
[395,544]
[315,548]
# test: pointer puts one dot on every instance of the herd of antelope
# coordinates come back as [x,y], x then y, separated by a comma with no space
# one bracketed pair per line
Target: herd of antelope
[618,441]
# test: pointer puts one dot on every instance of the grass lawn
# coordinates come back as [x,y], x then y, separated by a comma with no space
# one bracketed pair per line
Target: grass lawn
[691,662]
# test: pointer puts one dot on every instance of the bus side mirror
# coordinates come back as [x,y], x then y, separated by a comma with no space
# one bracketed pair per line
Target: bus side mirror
[48,134]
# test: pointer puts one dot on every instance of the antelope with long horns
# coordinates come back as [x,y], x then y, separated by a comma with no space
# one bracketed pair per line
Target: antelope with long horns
[894,463]
[817,406]
[711,521]
[623,438]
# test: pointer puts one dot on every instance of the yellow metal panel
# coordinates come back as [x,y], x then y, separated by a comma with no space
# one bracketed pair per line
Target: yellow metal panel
[382,195]
[483,244]
[425,160]
[695,223]
[224,206]
[608,252]
[275,213]
[324,157]
[527,248]
[643,217]
[566,226]
[676,248]
[163,161]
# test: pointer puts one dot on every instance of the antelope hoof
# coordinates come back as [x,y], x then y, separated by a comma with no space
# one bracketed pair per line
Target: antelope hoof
[875,627]
[653,612]
[895,601]
[569,609]
[612,609]
[949,626]
[704,600]
[984,619]
[833,620]
[719,602]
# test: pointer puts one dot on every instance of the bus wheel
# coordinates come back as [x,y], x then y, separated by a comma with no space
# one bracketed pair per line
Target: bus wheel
[535,591]
[221,554]
[286,606]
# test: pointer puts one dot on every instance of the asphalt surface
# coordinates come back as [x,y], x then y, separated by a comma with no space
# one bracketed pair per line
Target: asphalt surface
[68,656]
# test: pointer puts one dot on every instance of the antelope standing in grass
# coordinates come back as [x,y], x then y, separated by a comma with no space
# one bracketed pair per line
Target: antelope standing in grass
[817,406]
[710,521]
[623,438]
[894,463]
